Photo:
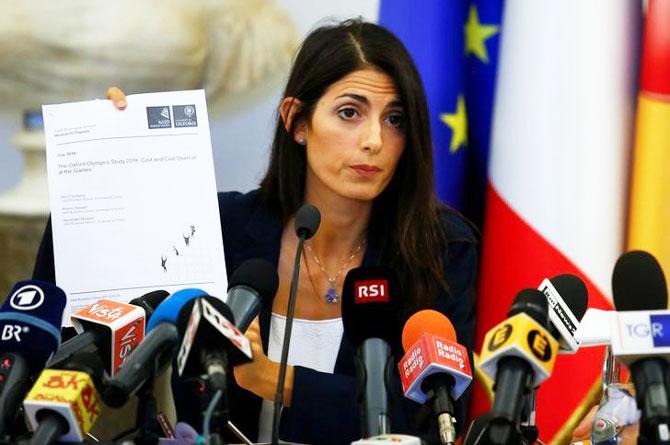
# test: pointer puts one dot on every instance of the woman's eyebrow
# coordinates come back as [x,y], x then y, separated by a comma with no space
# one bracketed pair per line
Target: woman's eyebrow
[357,97]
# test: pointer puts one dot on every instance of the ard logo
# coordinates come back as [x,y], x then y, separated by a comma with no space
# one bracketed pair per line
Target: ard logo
[27,298]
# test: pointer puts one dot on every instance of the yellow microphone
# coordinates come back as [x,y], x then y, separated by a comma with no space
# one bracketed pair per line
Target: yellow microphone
[62,405]
[518,354]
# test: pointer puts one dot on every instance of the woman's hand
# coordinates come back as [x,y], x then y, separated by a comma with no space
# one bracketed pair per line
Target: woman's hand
[118,97]
[260,376]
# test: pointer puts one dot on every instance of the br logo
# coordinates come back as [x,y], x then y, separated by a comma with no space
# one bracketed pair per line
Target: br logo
[539,345]
[27,298]
[500,336]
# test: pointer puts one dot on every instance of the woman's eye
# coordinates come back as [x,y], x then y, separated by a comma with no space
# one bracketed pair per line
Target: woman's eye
[347,113]
[395,120]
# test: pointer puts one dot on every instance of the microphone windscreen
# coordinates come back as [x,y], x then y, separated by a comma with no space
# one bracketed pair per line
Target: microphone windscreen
[427,321]
[370,296]
[30,321]
[307,220]
[533,303]
[150,301]
[257,274]
[573,291]
[638,283]
[168,310]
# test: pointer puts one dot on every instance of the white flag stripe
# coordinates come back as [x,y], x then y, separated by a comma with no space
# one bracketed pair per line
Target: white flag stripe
[563,123]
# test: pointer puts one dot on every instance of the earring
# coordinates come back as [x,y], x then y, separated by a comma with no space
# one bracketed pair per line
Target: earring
[302,141]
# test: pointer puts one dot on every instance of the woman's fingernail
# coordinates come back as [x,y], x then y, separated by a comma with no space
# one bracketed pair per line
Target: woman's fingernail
[121,104]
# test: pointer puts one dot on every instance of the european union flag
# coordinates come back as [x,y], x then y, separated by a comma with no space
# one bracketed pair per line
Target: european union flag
[454,44]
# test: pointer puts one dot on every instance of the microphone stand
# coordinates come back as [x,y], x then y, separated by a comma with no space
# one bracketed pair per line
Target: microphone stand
[292,297]
[307,222]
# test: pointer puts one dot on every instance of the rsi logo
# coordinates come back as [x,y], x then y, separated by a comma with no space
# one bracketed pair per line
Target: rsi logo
[13,332]
[27,298]
[371,291]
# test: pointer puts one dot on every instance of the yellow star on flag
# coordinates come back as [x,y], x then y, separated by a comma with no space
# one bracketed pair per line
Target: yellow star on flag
[476,35]
[458,122]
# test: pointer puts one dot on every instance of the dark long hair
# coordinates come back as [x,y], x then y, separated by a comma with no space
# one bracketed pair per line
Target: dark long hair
[405,216]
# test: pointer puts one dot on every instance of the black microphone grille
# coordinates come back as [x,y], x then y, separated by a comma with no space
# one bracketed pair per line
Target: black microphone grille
[638,283]
[573,291]
[257,274]
[533,303]
[307,220]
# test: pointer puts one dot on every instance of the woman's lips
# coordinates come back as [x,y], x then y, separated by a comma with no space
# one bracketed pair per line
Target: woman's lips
[366,170]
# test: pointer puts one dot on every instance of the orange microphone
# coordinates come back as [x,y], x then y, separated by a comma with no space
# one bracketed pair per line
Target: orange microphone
[435,368]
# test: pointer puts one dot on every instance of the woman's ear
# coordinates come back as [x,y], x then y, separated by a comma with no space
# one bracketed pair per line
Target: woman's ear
[288,109]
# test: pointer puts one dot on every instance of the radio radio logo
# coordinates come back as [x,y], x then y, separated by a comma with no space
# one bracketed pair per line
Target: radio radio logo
[159,117]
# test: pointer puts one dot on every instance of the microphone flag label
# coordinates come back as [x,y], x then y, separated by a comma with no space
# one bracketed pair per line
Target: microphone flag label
[69,393]
[226,328]
[519,336]
[371,291]
[638,334]
[431,354]
[189,337]
[561,317]
[123,325]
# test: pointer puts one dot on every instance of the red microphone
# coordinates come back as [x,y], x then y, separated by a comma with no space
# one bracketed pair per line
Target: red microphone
[435,368]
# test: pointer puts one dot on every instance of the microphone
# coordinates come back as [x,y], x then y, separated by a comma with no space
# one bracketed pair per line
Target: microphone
[154,354]
[640,339]
[369,313]
[211,342]
[252,282]
[307,220]
[62,404]
[114,328]
[30,321]
[435,367]
[567,298]
[518,354]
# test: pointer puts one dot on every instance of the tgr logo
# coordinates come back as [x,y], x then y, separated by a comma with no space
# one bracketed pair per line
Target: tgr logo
[13,332]
[27,298]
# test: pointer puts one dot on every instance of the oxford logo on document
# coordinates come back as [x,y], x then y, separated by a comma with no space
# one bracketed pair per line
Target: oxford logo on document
[184,116]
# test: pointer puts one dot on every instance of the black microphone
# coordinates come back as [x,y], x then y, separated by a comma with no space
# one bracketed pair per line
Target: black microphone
[516,366]
[307,220]
[369,315]
[154,354]
[30,321]
[210,341]
[638,284]
[252,282]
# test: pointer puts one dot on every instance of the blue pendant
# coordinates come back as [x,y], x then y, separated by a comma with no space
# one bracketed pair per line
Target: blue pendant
[331,295]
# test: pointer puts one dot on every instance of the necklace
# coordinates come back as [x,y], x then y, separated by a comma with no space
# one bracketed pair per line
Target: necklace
[331,295]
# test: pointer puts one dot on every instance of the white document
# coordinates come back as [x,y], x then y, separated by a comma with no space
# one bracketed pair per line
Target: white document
[133,198]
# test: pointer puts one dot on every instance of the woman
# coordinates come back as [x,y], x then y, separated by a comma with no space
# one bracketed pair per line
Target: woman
[353,139]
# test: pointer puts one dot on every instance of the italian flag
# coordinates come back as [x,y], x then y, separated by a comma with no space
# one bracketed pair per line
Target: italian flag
[558,172]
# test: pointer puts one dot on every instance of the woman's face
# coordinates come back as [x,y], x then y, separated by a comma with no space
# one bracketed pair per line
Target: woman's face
[355,137]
